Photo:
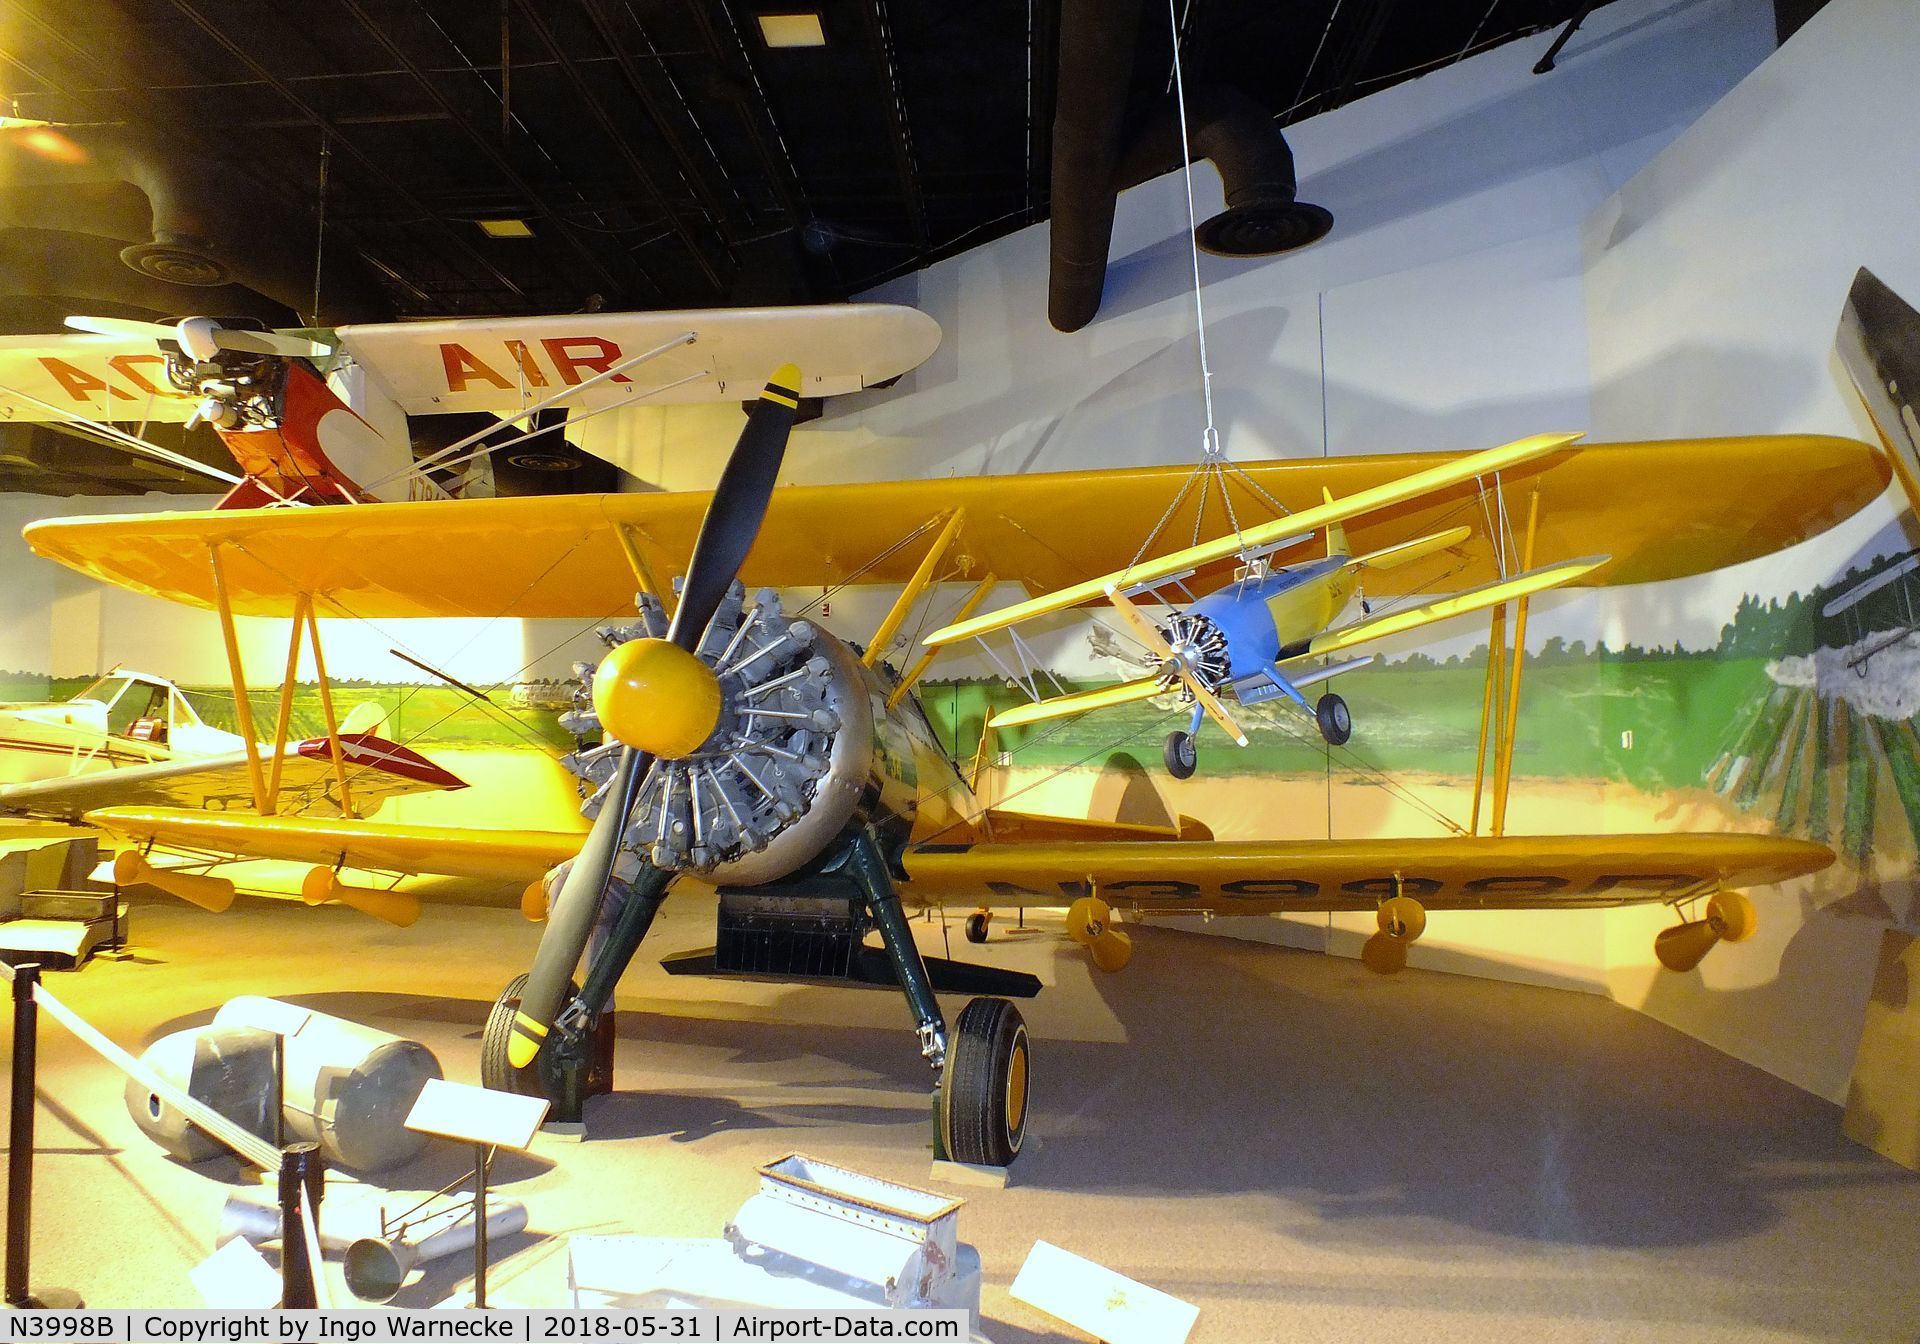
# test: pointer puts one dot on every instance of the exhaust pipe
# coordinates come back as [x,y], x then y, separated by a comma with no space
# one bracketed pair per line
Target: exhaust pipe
[377,1266]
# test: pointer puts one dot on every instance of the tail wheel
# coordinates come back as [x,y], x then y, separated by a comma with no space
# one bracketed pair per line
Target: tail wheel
[1334,718]
[1181,756]
[977,924]
[496,1071]
[983,1092]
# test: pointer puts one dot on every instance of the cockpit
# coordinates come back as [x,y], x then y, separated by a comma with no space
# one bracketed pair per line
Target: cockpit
[145,709]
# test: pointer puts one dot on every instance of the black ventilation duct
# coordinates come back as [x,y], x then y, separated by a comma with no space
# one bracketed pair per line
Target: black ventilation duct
[1224,126]
[188,233]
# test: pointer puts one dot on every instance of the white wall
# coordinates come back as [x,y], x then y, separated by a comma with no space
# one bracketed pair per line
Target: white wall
[1715,279]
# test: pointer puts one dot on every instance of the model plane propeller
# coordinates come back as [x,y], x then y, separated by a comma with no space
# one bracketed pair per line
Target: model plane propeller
[204,337]
[1239,640]
[660,701]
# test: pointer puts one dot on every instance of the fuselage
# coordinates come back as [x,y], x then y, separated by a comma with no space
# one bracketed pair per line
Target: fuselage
[1264,616]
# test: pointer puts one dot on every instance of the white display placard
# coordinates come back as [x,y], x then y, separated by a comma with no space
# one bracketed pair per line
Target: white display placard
[1108,1306]
[476,1114]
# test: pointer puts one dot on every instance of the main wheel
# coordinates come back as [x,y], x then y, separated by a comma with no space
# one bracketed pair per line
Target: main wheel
[1336,722]
[1180,755]
[977,923]
[983,1093]
[496,1069]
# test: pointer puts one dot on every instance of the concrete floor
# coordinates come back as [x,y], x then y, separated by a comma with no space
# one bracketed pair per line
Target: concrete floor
[1303,1150]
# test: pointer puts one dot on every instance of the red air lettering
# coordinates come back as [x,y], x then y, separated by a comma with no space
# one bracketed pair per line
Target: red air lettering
[463,366]
[569,364]
[124,366]
[80,384]
[529,367]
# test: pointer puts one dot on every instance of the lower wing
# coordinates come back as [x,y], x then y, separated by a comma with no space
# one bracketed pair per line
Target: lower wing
[1515,872]
[451,851]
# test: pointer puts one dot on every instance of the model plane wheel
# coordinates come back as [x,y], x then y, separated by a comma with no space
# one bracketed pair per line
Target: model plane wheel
[983,1092]
[496,1070]
[1181,755]
[977,923]
[1335,720]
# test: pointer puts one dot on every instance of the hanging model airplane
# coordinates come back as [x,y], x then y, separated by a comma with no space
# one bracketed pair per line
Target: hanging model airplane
[1238,639]
[752,751]
[321,416]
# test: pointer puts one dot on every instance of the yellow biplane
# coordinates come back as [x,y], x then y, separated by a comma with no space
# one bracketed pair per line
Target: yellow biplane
[749,749]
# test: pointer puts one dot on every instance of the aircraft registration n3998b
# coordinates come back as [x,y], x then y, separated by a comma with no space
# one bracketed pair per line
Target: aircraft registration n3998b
[752,750]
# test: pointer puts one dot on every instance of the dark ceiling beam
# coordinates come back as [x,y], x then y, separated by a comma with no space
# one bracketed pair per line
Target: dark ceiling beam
[359,156]
[658,113]
[480,141]
[781,176]
[873,14]
[530,11]
[168,121]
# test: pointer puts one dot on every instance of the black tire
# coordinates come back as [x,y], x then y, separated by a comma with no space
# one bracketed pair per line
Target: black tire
[977,926]
[1335,720]
[496,1071]
[1181,756]
[984,1091]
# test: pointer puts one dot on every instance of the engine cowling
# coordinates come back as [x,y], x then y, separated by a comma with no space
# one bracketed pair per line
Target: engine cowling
[803,744]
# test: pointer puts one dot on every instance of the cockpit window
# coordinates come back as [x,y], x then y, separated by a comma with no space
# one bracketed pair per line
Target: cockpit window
[144,700]
[106,690]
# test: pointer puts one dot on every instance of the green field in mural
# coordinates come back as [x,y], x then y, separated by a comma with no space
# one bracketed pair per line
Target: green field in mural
[1574,722]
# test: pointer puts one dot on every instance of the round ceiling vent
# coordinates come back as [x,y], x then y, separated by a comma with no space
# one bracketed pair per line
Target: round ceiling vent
[1263,230]
[174,263]
[543,461]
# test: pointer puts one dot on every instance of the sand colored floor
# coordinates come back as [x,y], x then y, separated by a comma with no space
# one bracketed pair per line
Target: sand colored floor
[1305,1151]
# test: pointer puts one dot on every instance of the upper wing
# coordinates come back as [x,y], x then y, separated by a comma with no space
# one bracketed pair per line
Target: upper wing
[47,378]
[1474,599]
[379,770]
[1514,872]
[499,365]
[453,851]
[561,556]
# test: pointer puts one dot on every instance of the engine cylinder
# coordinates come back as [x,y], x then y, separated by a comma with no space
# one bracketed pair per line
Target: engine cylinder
[802,745]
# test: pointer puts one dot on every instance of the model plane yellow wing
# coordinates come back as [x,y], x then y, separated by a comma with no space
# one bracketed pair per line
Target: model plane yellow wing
[1456,604]
[563,555]
[1513,872]
[1473,466]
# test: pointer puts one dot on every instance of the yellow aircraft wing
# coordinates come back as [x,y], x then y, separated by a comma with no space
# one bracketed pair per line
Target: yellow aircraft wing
[1456,604]
[1474,466]
[1061,706]
[1513,872]
[455,851]
[562,555]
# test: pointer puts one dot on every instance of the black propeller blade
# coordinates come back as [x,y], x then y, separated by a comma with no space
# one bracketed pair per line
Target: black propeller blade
[727,533]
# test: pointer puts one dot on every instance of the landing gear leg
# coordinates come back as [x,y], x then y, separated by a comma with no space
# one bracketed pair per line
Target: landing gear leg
[980,1098]
[868,868]
[577,1060]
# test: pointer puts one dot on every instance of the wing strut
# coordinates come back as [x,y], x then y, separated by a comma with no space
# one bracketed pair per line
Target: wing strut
[1503,773]
[1493,713]
[326,709]
[285,716]
[922,579]
[242,707]
[919,669]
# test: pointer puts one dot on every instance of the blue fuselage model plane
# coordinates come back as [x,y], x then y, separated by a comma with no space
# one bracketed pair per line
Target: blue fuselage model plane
[1246,639]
